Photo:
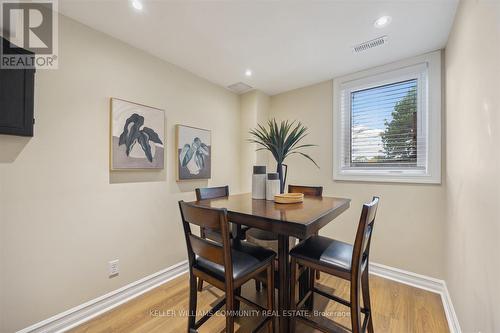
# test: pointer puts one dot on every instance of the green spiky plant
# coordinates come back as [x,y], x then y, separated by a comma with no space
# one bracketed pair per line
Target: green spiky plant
[282,140]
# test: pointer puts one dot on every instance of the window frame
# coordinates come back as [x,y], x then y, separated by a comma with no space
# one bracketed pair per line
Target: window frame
[427,70]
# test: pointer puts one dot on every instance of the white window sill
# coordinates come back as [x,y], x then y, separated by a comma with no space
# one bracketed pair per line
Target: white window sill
[386,176]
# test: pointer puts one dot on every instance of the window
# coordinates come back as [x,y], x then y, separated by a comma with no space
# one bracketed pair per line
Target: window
[387,123]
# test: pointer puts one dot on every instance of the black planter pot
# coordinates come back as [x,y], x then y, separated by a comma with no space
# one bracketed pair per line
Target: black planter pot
[282,170]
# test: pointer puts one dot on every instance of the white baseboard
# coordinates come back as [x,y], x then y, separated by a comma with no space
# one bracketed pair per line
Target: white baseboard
[422,282]
[91,309]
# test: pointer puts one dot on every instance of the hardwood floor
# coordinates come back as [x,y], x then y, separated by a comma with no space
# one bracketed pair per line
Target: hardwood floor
[397,308]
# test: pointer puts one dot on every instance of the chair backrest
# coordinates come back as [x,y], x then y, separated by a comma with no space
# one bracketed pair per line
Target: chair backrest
[364,234]
[315,191]
[214,219]
[212,192]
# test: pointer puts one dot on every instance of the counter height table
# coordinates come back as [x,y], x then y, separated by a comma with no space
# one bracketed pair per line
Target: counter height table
[299,220]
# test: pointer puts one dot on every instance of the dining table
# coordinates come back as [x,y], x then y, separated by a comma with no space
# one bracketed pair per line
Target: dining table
[300,220]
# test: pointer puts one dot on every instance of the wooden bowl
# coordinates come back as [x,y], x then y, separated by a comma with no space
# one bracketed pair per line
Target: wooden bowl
[288,198]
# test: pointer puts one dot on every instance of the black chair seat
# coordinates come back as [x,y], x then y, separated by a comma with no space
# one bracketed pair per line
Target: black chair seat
[325,251]
[246,258]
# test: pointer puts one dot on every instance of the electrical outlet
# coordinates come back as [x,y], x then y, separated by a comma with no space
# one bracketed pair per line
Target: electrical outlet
[113,269]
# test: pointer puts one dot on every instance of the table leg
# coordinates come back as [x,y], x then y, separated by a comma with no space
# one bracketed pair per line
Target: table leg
[284,276]
[236,230]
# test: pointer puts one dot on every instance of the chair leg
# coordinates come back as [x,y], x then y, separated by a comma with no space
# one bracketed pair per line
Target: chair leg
[365,288]
[355,306]
[293,292]
[229,311]
[193,295]
[237,292]
[257,285]
[204,236]
[270,297]
[310,301]
[303,281]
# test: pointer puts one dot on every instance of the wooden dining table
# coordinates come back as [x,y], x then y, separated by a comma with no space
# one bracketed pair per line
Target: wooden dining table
[300,220]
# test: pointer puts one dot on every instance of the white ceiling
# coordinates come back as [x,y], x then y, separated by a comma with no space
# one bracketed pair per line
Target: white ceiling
[287,44]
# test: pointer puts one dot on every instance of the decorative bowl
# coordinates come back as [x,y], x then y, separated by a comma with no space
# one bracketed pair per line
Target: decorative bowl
[288,198]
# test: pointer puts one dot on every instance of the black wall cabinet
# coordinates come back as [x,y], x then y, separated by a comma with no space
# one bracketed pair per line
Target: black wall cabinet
[17,87]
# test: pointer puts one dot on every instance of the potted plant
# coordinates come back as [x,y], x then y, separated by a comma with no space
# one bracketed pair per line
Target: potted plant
[282,140]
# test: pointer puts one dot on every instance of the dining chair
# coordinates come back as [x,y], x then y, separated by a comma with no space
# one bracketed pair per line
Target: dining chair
[315,191]
[226,265]
[269,239]
[206,193]
[349,262]
[211,193]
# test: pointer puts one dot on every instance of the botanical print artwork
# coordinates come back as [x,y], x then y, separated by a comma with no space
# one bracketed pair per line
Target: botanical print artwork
[194,155]
[137,136]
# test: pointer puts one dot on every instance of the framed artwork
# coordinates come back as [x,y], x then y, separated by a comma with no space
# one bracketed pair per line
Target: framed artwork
[194,153]
[137,136]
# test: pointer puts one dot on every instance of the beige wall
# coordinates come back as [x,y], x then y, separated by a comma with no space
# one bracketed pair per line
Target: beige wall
[409,230]
[63,215]
[254,109]
[473,166]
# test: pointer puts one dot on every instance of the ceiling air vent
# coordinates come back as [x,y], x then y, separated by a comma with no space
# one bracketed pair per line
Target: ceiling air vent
[370,44]
[239,87]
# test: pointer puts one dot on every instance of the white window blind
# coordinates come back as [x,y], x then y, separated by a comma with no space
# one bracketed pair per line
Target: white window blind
[387,123]
[384,126]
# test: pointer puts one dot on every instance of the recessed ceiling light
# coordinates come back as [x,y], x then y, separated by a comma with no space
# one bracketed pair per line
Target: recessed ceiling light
[248,72]
[382,21]
[137,4]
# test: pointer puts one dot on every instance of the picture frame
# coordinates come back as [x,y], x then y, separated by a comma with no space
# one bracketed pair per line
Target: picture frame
[137,136]
[193,153]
